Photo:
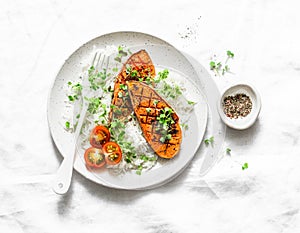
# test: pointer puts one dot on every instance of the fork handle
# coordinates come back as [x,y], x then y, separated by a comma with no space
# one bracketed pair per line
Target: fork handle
[63,176]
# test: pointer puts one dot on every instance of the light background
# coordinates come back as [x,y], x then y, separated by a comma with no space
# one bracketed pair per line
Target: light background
[35,39]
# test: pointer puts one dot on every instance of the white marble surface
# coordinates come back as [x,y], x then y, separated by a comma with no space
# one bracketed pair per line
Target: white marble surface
[36,38]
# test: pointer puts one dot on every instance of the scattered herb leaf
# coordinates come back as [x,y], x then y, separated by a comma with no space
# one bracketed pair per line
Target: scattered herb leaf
[209,140]
[71,98]
[67,125]
[121,54]
[184,126]
[161,76]
[230,54]
[123,87]
[245,166]
[191,102]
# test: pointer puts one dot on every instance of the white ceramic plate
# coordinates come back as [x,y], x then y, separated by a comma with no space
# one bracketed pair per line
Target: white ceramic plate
[163,55]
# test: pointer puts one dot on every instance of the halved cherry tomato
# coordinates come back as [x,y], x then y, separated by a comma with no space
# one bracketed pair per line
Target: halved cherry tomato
[99,136]
[94,157]
[113,153]
[111,147]
[113,158]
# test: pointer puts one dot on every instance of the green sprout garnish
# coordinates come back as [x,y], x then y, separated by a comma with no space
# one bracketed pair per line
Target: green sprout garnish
[217,66]
[225,69]
[209,140]
[245,166]
[121,54]
[161,76]
[191,102]
[230,54]
[67,125]
[71,98]
[120,95]
[165,120]
[94,104]
[123,87]
[184,126]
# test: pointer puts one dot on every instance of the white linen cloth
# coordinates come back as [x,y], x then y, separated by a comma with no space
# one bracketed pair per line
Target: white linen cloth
[37,37]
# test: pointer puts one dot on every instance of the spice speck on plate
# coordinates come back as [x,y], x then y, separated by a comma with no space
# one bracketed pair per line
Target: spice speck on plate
[239,105]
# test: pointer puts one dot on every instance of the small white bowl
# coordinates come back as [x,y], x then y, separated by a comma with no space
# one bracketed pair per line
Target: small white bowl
[241,122]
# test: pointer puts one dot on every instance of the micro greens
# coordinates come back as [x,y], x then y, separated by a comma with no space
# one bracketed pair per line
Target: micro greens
[97,78]
[245,166]
[228,150]
[191,102]
[130,71]
[161,76]
[170,91]
[139,170]
[209,140]
[230,54]
[225,69]
[133,73]
[94,104]
[67,124]
[120,95]
[147,158]
[77,88]
[123,87]
[217,67]
[75,91]
[71,98]
[184,126]
[165,120]
[121,54]
[148,80]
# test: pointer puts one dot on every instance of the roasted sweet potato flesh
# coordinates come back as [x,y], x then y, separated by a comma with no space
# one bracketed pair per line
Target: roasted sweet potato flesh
[148,105]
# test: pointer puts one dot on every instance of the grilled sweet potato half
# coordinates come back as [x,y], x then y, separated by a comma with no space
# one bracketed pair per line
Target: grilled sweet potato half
[138,67]
[158,121]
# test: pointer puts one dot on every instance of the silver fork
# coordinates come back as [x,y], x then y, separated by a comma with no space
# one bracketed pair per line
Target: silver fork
[63,176]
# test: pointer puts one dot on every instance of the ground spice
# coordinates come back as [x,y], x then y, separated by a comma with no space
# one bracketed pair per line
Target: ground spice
[239,105]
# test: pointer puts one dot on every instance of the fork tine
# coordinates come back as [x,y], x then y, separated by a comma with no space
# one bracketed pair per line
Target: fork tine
[93,62]
[106,67]
[96,65]
[103,59]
